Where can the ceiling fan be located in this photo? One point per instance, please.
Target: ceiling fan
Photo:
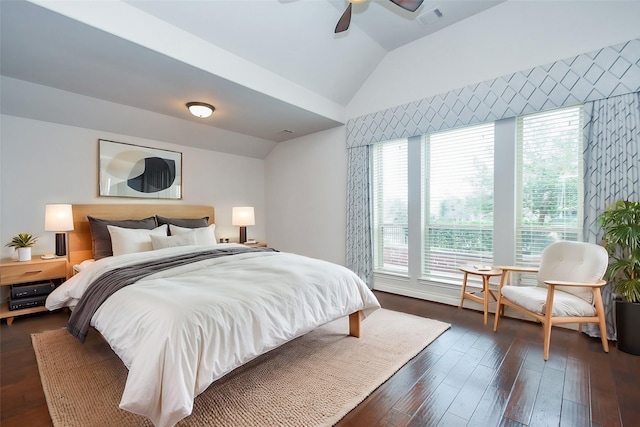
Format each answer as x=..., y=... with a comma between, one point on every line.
x=345, y=19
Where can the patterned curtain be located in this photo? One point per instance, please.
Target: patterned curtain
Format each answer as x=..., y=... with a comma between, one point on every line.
x=359, y=248
x=612, y=171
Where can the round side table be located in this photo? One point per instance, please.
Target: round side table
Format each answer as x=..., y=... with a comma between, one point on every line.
x=486, y=274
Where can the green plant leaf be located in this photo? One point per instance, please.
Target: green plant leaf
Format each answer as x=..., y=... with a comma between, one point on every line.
x=621, y=225
x=22, y=240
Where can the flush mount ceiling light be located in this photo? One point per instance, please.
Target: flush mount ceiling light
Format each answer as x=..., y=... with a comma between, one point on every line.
x=200, y=109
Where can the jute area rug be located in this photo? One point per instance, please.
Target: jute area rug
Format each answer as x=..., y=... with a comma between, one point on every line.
x=314, y=380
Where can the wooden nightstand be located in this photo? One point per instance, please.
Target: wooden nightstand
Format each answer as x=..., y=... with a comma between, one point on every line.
x=16, y=272
x=256, y=245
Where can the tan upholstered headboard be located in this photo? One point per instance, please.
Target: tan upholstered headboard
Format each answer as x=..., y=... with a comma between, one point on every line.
x=80, y=237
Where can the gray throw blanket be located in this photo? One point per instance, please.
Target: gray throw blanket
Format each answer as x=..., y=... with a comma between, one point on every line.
x=111, y=281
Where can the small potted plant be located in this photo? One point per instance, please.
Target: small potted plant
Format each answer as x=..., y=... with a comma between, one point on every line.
x=621, y=225
x=23, y=242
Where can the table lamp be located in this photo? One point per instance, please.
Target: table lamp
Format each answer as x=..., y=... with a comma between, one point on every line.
x=242, y=217
x=59, y=218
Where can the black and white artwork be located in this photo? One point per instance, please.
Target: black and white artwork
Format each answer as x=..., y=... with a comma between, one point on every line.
x=128, y=170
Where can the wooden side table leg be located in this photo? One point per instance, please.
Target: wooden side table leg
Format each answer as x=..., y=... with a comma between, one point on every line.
x=9, y=320
x=485, y=291
x=464, y=289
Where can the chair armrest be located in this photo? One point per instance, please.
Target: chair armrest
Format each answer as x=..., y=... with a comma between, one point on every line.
x=508, y=269
x=597, y=284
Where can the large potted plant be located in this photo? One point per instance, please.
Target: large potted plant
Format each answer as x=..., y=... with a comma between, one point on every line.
x=621, y=225
x=23, y=242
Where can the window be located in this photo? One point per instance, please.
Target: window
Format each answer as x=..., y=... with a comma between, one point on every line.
x=434, y=205
x=549, y=173
x=457, y=194
x=390, y=206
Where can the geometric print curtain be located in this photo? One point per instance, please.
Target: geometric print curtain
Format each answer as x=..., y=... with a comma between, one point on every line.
x=612, y=171
x=359, y=248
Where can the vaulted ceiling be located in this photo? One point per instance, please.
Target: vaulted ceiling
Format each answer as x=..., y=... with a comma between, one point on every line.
x=274, y=69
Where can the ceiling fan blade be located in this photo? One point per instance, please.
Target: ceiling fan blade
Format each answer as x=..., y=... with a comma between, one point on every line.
x=410, y=5
x=345, y=20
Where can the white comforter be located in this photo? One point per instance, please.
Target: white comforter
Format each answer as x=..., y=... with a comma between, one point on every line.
x=179, y=330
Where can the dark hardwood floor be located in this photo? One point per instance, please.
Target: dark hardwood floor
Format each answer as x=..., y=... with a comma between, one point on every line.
x=469, y=376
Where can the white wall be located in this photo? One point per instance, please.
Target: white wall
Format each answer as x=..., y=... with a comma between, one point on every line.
x=306, y=195
x=42, y=162
x=510, y=37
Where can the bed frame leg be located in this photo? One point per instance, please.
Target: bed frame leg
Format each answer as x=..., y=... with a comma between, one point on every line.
x=354, y=324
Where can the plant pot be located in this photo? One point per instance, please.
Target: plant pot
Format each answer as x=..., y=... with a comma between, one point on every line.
x=24, y=254
x=628, y=326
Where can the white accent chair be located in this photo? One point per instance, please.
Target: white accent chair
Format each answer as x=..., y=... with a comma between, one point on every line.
x=567, y=291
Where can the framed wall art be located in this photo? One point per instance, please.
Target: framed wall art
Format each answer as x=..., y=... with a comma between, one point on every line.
x=128, y=170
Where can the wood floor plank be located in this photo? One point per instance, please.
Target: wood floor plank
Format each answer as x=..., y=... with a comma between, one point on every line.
x=394, y=418
x=523, y=396
x=574, y=414
x=507, y=422
x=448, y=361
x=434, y=407
x=627, y=385
x=604, y=399
x=450, y=420
x=495, y=354
x=510, y=366
x=466, y=402
x=421, y=391
x=547, y=407
x=446, y=341
x=534, y=359
x=463, y=369
x=490, y=408
x=576, y=381
x=466, y=341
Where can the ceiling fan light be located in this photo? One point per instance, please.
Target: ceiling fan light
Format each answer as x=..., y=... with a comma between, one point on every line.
x=356, y=1
x=200, y=109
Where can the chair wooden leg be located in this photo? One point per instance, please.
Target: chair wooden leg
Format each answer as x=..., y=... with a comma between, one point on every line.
x=547, y=321
x=497, y=316
x=601, y=321
x=547, y=340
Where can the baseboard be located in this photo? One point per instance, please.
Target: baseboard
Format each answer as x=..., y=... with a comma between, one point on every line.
x=455, y=301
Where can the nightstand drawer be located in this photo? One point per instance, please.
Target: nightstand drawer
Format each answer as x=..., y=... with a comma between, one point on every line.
x=31, y=272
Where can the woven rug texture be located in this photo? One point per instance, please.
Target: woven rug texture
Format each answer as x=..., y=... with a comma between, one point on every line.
x=314, y=380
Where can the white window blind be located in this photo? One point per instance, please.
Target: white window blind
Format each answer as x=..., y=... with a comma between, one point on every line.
x=390, y=206
x=457, y=199
x=550, y=189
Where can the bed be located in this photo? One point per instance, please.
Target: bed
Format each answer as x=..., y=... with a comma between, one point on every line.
x=179, y=329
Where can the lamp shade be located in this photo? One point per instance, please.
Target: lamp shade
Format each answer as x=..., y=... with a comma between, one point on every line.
x=243, y=216
x=58, y=218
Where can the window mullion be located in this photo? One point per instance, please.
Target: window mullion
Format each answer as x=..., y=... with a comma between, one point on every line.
x=414, y=205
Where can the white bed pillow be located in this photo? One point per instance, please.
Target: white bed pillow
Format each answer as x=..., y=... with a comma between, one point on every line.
x=162, y=242
x=205, y=236
x=83, y=265
x=131, y=240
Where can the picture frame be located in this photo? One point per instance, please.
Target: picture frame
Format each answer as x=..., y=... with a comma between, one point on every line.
x=128, y=170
